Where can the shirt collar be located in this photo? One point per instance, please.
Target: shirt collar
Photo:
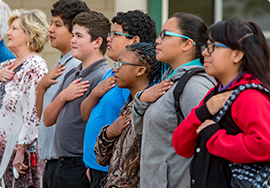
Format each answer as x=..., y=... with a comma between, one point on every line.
x=191, y=63
x=62, y=60
x=90, y=68
x=221, y=88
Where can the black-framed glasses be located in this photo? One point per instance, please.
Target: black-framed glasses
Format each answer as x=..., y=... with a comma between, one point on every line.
x=112, y=34
x=118, y=64
x=163, y=34
x=211, y=47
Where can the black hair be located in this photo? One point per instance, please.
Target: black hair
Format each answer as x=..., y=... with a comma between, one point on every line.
x=97, y=25
x=68, y=9
x=146, y=53
x=248, y=38
x=193, y=27
x=136, y=22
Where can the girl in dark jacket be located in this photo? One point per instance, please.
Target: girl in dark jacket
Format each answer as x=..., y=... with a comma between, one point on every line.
x=236, y=54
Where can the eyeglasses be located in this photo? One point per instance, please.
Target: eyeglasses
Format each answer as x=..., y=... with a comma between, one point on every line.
x=112, y=34
x=163, y=34
x=118, y=64
x=211, y=47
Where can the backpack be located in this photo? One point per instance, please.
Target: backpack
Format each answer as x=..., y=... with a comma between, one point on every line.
x=250, y=175
x=178, y=90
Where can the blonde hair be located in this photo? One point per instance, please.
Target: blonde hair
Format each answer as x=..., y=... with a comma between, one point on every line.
x=35, y=26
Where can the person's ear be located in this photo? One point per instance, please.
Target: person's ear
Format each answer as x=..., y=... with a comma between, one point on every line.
x=238, y=56
x=136, y=39
x=98, y=42
x=141, y=71
x=188, y=44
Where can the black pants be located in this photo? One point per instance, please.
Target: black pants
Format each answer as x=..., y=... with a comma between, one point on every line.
x=50, y=180
x=96, y=176
x=71, y=171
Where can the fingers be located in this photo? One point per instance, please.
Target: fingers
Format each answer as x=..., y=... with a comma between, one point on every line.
x=104, y=86
x=167, y=82
x=57, y=74
x=6, y=74
x=76, y=81
x=126, y=124
x=215, y=103
x=57, y=71
x=81, y=89
x=21, y=168
x=126, y=120
x=53, y=82
x=88, y=174
x=81, y=86
x=108, y=82
x=5, y=78
x=126, y=117
x=205, y=124
x=199, y=129
x=165, y=86
x=76, y=89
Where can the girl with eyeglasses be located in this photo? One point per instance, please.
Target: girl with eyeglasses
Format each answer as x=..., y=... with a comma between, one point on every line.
x=225, y=152
x=118, y=145
x=179, y=44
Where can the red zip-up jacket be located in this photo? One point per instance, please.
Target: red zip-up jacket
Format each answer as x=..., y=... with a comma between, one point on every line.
x=250, y=112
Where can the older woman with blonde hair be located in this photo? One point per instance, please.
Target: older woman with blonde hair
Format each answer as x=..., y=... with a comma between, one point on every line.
x=19, y=162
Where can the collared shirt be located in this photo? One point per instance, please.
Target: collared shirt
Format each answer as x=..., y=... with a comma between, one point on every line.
x=104, y=113
x=6, y=54
x=70, y=127
x=46, y=134
x=221, y=88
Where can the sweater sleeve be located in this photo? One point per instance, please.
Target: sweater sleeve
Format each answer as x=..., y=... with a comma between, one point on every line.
x=137, y=114
x=103, y=148
x=250, y=112
x=184, y=138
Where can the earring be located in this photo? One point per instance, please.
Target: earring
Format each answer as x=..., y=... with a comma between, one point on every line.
x=28, y=44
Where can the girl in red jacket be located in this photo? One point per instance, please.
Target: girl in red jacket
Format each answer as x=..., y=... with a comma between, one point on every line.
x=236, y=54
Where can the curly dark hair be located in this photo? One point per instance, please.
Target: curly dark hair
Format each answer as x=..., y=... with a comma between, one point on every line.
x=146, y=54
x=136, y=22
x=68, y=9
x=97, y=25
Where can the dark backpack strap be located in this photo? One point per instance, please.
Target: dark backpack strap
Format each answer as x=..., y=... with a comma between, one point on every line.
x=235, y=94
x=224, y=110
x=178, y=90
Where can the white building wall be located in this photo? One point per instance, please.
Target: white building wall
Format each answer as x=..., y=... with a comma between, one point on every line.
x=125, y=5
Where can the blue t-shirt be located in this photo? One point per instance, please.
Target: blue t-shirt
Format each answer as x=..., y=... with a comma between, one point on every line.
x=6, y=54
x=104, y=113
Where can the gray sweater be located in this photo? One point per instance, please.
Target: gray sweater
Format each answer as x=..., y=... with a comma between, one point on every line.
x=160, y=165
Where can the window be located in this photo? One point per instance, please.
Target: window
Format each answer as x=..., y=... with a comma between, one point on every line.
x=202, y=8
x=257, y=11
